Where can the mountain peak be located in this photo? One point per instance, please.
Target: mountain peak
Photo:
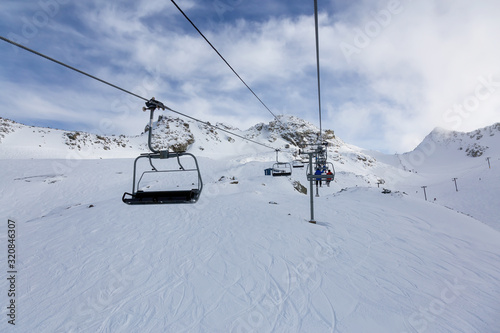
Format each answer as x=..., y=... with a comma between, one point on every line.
x=476, y=143
x=294, y=130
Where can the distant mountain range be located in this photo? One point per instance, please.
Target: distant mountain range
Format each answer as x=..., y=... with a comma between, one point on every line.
x=22, y=141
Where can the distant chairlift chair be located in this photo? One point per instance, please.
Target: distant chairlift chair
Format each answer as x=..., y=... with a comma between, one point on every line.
x=281, y=168
x=174, y=194
x=319, y=160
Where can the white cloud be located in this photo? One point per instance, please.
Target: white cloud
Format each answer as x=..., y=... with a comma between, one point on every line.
x=426, y=59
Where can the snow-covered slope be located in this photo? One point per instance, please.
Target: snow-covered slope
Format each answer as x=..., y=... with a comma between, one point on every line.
x=27, y=142
x=445, y=148
x=472, y=159
x=244, y=258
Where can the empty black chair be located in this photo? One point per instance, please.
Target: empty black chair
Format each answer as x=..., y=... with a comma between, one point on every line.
x=183, y=185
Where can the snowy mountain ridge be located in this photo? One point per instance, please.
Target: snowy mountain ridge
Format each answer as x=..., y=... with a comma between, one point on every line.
x=474, y=144
x=293, y=130
x=173, y=132
x=182, y=135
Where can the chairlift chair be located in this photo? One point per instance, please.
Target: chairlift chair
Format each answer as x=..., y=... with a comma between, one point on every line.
x=329, y=166
x=324, y=167
x=297, y=164
x=182, y=181
x=282, y=169
x=319, y=159
x=183, y=185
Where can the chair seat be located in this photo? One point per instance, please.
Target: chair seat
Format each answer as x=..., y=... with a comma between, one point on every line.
x=281, y=173
x=161, y=197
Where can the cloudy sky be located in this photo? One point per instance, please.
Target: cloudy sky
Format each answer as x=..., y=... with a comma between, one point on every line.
x=391, y=71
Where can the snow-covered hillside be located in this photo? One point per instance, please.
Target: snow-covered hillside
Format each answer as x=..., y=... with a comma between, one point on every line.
x=27, y=142
x=472, y=159
x=21, y=141
x=244, y=258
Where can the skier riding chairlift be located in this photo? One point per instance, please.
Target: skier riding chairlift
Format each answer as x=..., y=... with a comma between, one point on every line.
x=318, y=173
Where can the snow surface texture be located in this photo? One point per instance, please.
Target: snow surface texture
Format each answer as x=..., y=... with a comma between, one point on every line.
x=244, y=258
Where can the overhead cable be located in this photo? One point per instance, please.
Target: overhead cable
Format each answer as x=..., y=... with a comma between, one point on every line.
x=127, y=91
x=72, y=68
x=317, y=63
x=227, y=63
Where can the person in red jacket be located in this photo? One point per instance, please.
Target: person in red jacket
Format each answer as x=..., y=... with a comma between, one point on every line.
x=328, y=180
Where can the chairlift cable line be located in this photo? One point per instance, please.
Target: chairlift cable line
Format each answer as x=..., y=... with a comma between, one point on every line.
x=227, y=63
x=219, y=128
x=317, y=64
x=127, y=91
x=70, y=67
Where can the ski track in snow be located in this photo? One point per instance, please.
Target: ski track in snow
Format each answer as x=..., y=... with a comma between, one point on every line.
x=234, y=262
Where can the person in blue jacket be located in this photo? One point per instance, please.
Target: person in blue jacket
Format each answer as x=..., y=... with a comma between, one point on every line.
x=318, y=180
